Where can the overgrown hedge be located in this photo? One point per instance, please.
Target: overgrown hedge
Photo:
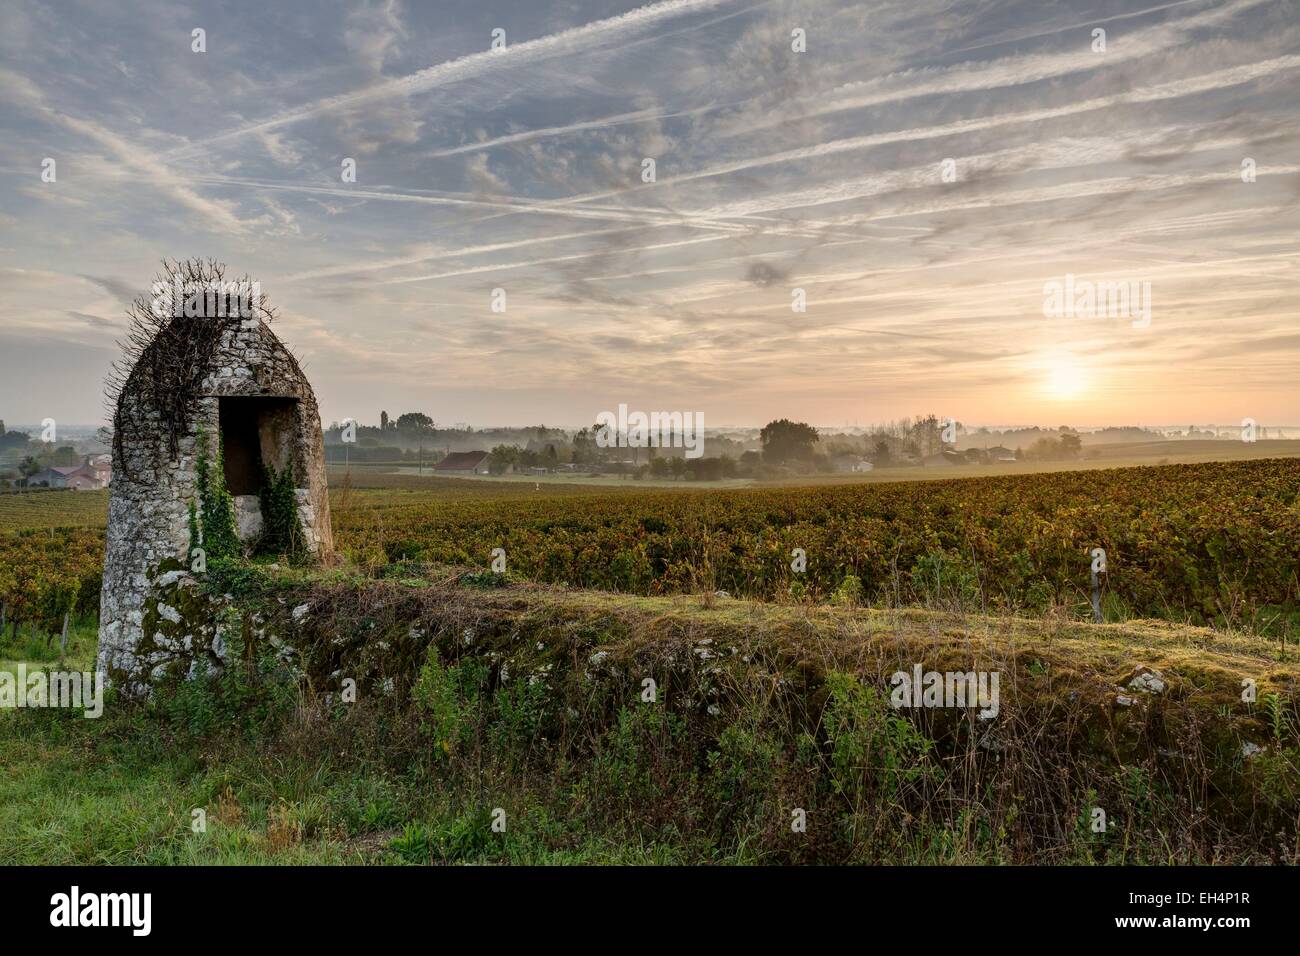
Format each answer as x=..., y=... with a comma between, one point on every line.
x=535, y=703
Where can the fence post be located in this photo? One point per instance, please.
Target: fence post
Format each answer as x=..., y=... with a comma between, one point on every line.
x=1098, y=571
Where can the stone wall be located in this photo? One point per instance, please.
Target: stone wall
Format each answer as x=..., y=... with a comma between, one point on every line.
x=148, y=517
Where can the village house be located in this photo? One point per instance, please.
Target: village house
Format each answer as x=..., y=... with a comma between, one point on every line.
x=91, y=475
x=50, y=477
x=463, y=463
x=852, y=464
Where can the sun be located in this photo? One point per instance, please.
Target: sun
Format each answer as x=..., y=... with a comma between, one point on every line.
x=1066, y=378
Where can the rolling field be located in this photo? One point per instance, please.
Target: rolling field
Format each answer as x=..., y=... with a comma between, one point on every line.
x=1202, y=543
x=89, y=509
x=43, y=510
x=520, y=690
x=1192, y=542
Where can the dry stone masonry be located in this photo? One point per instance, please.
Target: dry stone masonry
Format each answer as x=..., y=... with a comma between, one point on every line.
x=153, y=621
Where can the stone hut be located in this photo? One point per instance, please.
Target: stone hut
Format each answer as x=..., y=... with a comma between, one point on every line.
x=232, y=378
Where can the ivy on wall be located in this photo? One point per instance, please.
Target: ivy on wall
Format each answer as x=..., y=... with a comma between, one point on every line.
x=281, y=531
x=214, y=522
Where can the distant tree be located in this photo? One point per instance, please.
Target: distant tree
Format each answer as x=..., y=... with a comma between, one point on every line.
x=1054, y=448
x=927, y=433
x=585, y=448
x=784, y=440
x=704, y=469
x=414, y=422
x=502, y=458
x=383, y=421
x=14, y=439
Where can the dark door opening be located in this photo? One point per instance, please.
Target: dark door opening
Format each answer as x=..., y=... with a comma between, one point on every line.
x=254, y=432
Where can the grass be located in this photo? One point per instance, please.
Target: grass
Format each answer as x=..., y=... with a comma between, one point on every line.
x=122, y=790
x=79, y=795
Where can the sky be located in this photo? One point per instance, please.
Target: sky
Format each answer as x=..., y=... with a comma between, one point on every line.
x=856, y=212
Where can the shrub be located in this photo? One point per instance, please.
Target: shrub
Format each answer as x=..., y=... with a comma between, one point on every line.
x=281, y=530
x=216, y=512
x=873, y=750
x=944, y=578
x=849, y=592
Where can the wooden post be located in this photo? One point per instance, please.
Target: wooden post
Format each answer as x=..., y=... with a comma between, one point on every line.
x=1099, y=569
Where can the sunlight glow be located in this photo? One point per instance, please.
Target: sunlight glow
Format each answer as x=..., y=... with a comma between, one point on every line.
x=1066, y=378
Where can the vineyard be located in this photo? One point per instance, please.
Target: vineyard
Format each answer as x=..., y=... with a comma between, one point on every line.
x=46, y=576
x=1199, y=542
x=1206, y=543
x=29, y=511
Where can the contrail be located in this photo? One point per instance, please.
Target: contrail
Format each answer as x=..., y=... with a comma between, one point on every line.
x=639, y=116
x=1114, y=185
x=620, y=119
x=1092, y=23
x=575, y=257
x=477, y=64
x=1175, y=89
x=1009, y=71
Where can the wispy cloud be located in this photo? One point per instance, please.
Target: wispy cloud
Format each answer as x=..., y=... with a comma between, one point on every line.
x=514, y=56
x=653, y=184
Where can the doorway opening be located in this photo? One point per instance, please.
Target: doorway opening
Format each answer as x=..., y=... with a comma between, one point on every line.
x=256, y=432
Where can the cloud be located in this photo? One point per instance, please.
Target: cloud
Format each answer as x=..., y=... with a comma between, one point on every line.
x=94, y=321
x=522, y=169
x=373, y=33
x=140, y=159
x=124, y=292
x=764, y=274
x=514, y=56
x=481, y=178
